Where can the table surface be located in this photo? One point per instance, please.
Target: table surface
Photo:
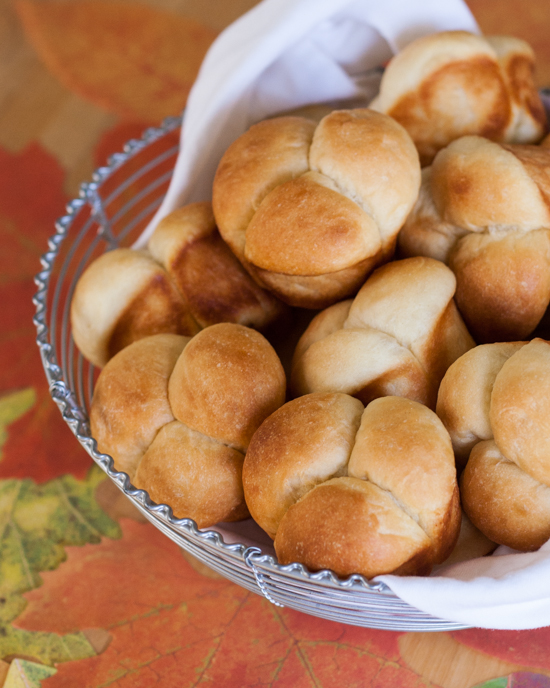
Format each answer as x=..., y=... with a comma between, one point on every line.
x=90, y=594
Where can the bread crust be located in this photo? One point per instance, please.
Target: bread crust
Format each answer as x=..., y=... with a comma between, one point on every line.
x=203, y=478
x=352, y=526
x=355, y=490
x=188, y=458
x=504, y=502
x=216, y=286
x=186, y=280
x=484, y=209
x=464, y=397
x=130, y=402
x=453, y=83
x=228, y=381
x=311, y=209
x=397, y=337
x=494, y=402
x=123, y=296
x=276, y=477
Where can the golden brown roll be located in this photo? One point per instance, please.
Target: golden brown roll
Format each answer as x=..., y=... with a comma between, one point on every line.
x=495, y=403
x=483, y=209
x=451, y=84
x=396, y=338
x=176, y=414
x=186, y=280
x=355, y=490
x=217, y=288
x=122, y=296
x=311, y=209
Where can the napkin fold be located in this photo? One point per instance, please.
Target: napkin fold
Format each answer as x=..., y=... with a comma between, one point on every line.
x=508, y=590
x=285, y=54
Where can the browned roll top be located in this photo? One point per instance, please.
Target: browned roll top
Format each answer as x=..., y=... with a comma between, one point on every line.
x=311, y=209
x=452, y=84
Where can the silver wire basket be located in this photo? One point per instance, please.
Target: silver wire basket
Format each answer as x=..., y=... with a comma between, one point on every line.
x=112, y=211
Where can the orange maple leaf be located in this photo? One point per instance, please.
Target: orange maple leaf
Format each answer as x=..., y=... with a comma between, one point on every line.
x=129, y=59
x=171, y=626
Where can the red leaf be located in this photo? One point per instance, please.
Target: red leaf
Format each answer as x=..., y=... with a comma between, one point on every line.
x=173, y=627
x=39, y=445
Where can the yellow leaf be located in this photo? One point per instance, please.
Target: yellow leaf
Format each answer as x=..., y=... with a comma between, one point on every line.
x=25, y=674
x=12, y=407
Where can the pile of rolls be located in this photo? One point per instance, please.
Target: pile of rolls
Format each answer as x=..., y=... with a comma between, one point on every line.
x=416, y=233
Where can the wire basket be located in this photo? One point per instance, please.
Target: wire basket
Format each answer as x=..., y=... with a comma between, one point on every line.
x=112, y=211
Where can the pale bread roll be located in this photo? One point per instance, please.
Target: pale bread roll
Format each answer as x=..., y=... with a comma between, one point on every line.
x=190, y=459
x=130, y=403
x=494, y=402
x=520, y=409
x=405, y=450
x=217, y=288
x=464, y=397
x=122, y=296
x=195, y=474
x=352, y=526
x=186, y=280
x=396, y=338
x=506, y=503
x=319, y=432
x=451, y=84
x=354, y=490
x=311, y=209
x=484, y=209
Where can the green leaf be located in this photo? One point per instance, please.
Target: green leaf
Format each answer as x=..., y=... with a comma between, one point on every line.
x=501, y=682
x=48, y=648
x=36, y=523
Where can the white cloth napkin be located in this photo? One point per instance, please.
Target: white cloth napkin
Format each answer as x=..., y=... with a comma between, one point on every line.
x=507, y=590
x=284, y=54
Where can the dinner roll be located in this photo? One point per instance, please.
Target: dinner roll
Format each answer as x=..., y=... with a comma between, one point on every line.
x=396, y=338
x=311, y=209
x=217, y=288
x=355, y=490
x=483, y=209
x=176, y=414
x=494, y=402
x=186, y=280
x=122, y=296
x=451, y=84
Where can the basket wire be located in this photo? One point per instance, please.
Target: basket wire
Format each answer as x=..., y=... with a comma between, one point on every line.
x=111, y=211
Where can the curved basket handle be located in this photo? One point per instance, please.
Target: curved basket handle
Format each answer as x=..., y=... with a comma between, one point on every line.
x=248, y=555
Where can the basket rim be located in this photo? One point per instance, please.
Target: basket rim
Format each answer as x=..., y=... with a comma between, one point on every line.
x=75, y=417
